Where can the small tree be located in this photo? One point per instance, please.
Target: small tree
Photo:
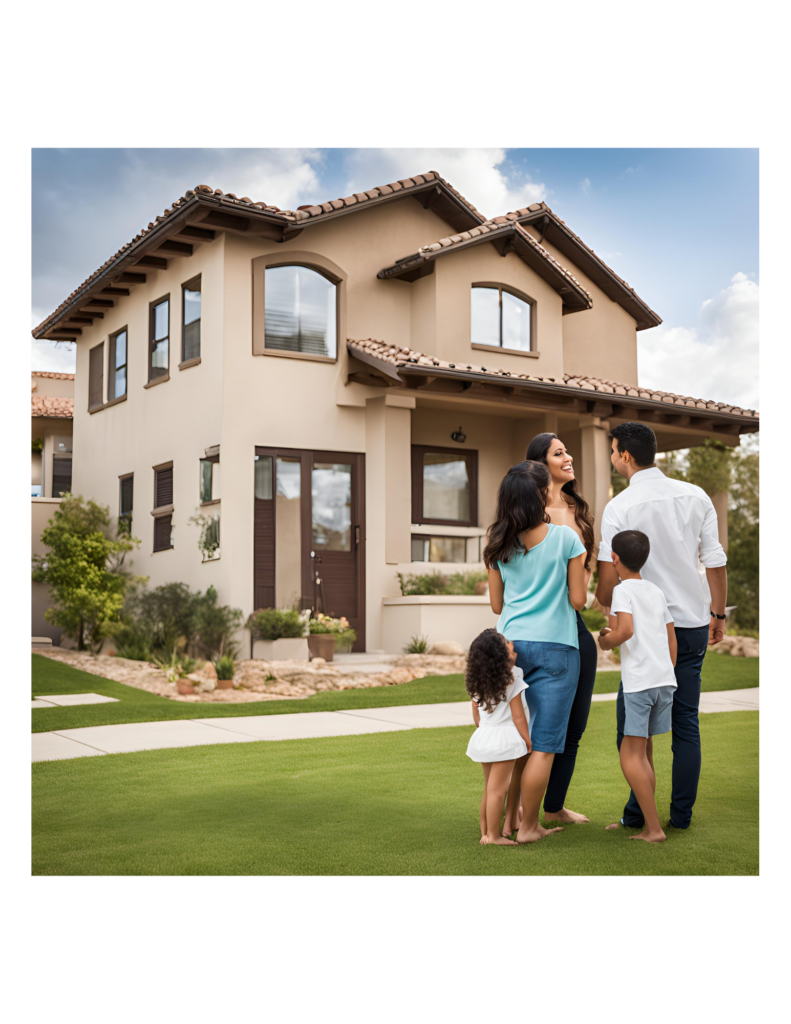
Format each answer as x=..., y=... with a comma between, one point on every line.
x=710, y=467
x=84, y=570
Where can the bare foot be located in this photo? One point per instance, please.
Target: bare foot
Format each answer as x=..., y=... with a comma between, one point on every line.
x=615, y=824
x=566, y=816
x=519, y=816
x=508, y=829
x=534, y=834
x=501, y=841
x=484, y=840
x=651, y=837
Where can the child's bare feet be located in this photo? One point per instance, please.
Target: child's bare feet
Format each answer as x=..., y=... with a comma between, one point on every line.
x=566, y=816
x=533, y=835
x=508, y=828
x=484, y=840
x=500, y=841
x=651, y=837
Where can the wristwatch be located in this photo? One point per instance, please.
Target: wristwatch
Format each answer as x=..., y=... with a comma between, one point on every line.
x=717, y=616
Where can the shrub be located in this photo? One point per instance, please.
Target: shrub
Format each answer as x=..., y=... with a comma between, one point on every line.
x=417, y=645
x=437, y=583
x=594, y=619
x=224, y=666
x=132, y=642
x=215, y=625
x=84, y=571
x=275, y=623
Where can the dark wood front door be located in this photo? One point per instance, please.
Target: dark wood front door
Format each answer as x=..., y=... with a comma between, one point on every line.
x=309, y=534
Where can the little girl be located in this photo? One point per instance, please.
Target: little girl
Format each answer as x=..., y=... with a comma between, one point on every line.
x=501, y=741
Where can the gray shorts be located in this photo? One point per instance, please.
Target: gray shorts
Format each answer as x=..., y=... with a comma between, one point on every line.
x=648, y=712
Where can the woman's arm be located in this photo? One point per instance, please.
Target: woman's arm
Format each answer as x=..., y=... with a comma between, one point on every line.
x=496, y=589
x=520, y=721
x=578, y=592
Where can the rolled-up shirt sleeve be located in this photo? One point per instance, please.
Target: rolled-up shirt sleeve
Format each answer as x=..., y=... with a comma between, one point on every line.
x=609, y=528
x=712, y=553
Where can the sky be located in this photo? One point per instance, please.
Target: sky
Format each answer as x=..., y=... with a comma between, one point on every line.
x=680, y=225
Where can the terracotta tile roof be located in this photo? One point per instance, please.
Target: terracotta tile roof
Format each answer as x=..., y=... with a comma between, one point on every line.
x=497, y=227
x=293, y=218
x=404, y=357
x=52, y=376
x=52, y=408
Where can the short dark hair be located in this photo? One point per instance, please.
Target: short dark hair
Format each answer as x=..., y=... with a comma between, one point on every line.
x=638, y=439
x=632, y=547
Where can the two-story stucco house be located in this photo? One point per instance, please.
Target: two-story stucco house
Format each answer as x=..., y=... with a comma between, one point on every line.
x=362, y=373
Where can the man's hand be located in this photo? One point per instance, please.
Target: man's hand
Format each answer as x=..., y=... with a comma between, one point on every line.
x=602, y=633
x=716, y=632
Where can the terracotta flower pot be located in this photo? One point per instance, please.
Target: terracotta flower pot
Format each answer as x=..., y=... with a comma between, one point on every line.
x=322, y=645
x=184, y=687
x=225, y=684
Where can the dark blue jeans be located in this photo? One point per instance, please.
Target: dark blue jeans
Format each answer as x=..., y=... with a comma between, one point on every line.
x=563, y=765
x=692, y=645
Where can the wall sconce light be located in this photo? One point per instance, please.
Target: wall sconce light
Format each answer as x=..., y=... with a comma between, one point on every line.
x=458, y=435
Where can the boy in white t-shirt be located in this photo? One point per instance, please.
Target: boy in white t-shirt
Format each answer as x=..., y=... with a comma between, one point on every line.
x=642, y=626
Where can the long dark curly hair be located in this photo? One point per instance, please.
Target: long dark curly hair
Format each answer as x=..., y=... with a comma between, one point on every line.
x=521, y=505
x=537, y=451
x=488, y=672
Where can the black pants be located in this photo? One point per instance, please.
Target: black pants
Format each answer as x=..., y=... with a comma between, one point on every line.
x=692, y=644
x=563, y=765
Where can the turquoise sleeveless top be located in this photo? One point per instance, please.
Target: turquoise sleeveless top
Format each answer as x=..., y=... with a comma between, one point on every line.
x=536, y=603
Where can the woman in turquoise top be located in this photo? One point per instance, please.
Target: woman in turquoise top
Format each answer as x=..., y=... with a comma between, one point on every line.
x=536, y=580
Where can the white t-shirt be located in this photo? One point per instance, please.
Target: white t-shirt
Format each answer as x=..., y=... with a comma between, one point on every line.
x=681, y=524
x=645, y=658
x=502, y=713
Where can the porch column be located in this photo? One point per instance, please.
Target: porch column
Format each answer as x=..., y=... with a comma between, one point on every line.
x=596, y=467
x=720, y=503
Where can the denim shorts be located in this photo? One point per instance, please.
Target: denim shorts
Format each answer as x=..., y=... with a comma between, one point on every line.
x=551, y=673
x=648, y=712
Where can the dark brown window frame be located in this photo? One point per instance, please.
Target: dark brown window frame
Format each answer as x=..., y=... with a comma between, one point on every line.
x=126, y=516
x=212, y=459
x=193, y=360
x=151, y=343
x=111, y=367
x=471, y=455
x=157, y=521
x=93, y=406
x=162, y=468
x=523, y=297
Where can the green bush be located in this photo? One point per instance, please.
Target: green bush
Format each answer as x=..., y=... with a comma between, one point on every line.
x=417, y=645
x=275, y=623
x=224, y=666
x=593, y=619
x=345, y=640
x=436, y=583
x=171, y=616
x=132, y=642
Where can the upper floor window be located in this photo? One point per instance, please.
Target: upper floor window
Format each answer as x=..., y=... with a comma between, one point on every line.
x=190, y=329
x=210, y=479
x=444, y=486
x=116, y=386
x=500, y=318
x=163, y=507
x=159, y=338
x=125, y=501
x=300, y=307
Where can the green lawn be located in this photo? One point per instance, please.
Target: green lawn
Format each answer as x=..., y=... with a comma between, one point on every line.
x=719, y=673
x=387, y=804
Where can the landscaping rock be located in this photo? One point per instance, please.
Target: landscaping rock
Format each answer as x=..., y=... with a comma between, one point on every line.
x=737, y=647
x=448, y=648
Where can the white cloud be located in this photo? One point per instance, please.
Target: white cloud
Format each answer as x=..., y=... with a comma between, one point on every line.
x=585, y=185
x=717, y=359
x=53, y=356
x=482, y=176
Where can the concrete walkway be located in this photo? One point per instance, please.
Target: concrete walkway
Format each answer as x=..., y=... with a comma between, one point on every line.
x=123, y=739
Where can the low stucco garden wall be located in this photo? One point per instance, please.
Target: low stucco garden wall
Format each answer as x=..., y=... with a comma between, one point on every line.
x=437, y=617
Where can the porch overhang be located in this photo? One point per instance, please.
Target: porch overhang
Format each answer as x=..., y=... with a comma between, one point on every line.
x=415, y=373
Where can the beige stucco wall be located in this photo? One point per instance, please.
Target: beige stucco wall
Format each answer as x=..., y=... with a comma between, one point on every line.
x=601, y=341
x=52, y=387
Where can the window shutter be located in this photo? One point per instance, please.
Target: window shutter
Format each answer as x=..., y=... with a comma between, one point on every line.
x=164, y=487
x=96, y=376
x=127, y=485
x=162, y=533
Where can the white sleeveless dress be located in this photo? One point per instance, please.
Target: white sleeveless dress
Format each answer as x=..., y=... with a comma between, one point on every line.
x=497, y=738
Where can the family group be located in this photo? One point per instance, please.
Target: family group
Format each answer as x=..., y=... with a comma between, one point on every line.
x=663, y=582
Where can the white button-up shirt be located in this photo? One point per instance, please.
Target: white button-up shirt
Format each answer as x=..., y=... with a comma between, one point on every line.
x=681, y=524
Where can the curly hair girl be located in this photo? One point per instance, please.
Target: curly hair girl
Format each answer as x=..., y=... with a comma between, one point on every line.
x=488, y=669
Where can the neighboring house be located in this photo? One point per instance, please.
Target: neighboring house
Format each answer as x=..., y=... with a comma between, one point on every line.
x=364, y=371
x=52, y=410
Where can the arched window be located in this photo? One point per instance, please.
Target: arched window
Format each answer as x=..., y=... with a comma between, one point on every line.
x=500, y=318
x=300, y=311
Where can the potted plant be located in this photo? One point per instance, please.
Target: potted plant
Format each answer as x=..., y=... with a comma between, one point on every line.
x=345, y=636
x=279, y=634
x=176, y=671
x=225, y=668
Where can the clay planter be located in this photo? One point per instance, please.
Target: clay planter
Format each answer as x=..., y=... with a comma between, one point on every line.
x=184, y=687
x=322, y=645
x=225, y=684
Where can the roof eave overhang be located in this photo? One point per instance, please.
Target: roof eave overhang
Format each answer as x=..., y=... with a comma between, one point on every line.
x=554, y=231
x=506, y=239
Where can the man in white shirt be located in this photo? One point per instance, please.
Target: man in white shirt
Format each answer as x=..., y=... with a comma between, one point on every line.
x=681, y=524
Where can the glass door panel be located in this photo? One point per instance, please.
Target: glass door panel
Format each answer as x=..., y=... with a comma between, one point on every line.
x=331, y=487
x=288, y=531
